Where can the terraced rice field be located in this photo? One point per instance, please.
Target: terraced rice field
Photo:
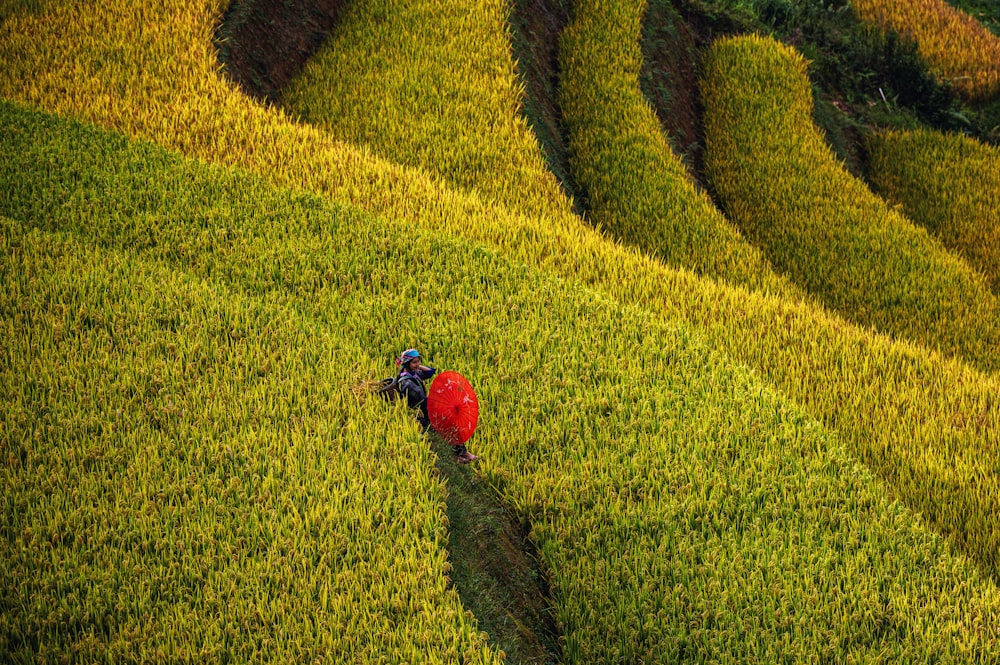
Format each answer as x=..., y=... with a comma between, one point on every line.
x=957, y=45
x=948, y=183
x=718, y=460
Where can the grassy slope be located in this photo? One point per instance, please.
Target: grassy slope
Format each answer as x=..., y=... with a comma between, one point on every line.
x=431, y=85
x=637, y=188
x=948, y=183
x=921, y=422
x=783, y=186
x=709, y=519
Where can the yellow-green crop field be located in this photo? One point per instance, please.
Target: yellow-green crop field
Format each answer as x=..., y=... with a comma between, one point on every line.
x=779, y=180
x=637, y=188
x=430, y=85
x=245, y=470
x=956, y=45
x=950, y=184
x=193, y=281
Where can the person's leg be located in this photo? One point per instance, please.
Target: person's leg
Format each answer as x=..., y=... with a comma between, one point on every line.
x=421, y=413
x=463, y=455
x=425, y=422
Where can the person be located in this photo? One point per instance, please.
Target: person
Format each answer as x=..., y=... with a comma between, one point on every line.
x=410, y=382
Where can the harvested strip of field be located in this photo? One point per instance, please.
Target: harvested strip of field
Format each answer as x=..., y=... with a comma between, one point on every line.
x=780, y=182
x=950, y=184
x=636, y=187
x=961, y=50
x=495, y=568
x=710, y=519
x=923, y=423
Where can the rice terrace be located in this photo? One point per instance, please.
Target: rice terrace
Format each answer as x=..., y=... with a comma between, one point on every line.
x=723, y=274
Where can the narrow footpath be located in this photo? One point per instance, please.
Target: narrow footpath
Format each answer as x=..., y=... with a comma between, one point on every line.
x=494, y=567
x=262, y=45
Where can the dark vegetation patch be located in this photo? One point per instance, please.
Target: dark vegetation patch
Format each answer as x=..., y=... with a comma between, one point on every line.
x=20, y=7
x=669, y=80
x=495, y=567
x=535, y=29
x=263, y=44
x=862, y=79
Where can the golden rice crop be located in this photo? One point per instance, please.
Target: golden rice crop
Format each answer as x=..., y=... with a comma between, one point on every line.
x=818, y=360
x=685, y=508
x=637, y=188
x=958, y=48
x=183, y=479
x=783, y=185
x=950, y=184
x=430, y=84
x=923, y=423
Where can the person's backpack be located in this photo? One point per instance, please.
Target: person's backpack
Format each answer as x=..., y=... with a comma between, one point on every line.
x=388, y=389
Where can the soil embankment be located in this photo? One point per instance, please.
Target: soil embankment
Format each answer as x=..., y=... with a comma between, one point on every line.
x=263, y=44
x=535, y=29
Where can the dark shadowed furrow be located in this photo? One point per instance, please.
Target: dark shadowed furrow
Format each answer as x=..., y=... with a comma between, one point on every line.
x=264, y=43
x=535, y=29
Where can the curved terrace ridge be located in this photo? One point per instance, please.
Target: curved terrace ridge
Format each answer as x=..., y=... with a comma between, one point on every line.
x=263, y=45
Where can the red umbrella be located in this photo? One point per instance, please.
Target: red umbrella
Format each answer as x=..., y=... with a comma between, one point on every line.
x=453, y=408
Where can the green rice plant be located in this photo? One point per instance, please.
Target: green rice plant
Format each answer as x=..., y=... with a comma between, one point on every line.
x=430, y=84
x=955, y=44
x=684, y=508
x=781, y=183
x=184, y=479
x=948, y=183
x=923, y=423
x=637, y=188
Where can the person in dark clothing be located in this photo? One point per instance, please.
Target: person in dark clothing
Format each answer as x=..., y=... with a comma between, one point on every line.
x=410, y=382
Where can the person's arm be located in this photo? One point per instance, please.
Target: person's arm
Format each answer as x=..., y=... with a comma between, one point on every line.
x=426, y=372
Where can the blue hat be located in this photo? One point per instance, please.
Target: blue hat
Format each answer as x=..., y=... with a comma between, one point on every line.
x=407, y=356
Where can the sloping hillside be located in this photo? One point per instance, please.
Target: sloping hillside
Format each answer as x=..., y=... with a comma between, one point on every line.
x=660, y=479
x=193, y=282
